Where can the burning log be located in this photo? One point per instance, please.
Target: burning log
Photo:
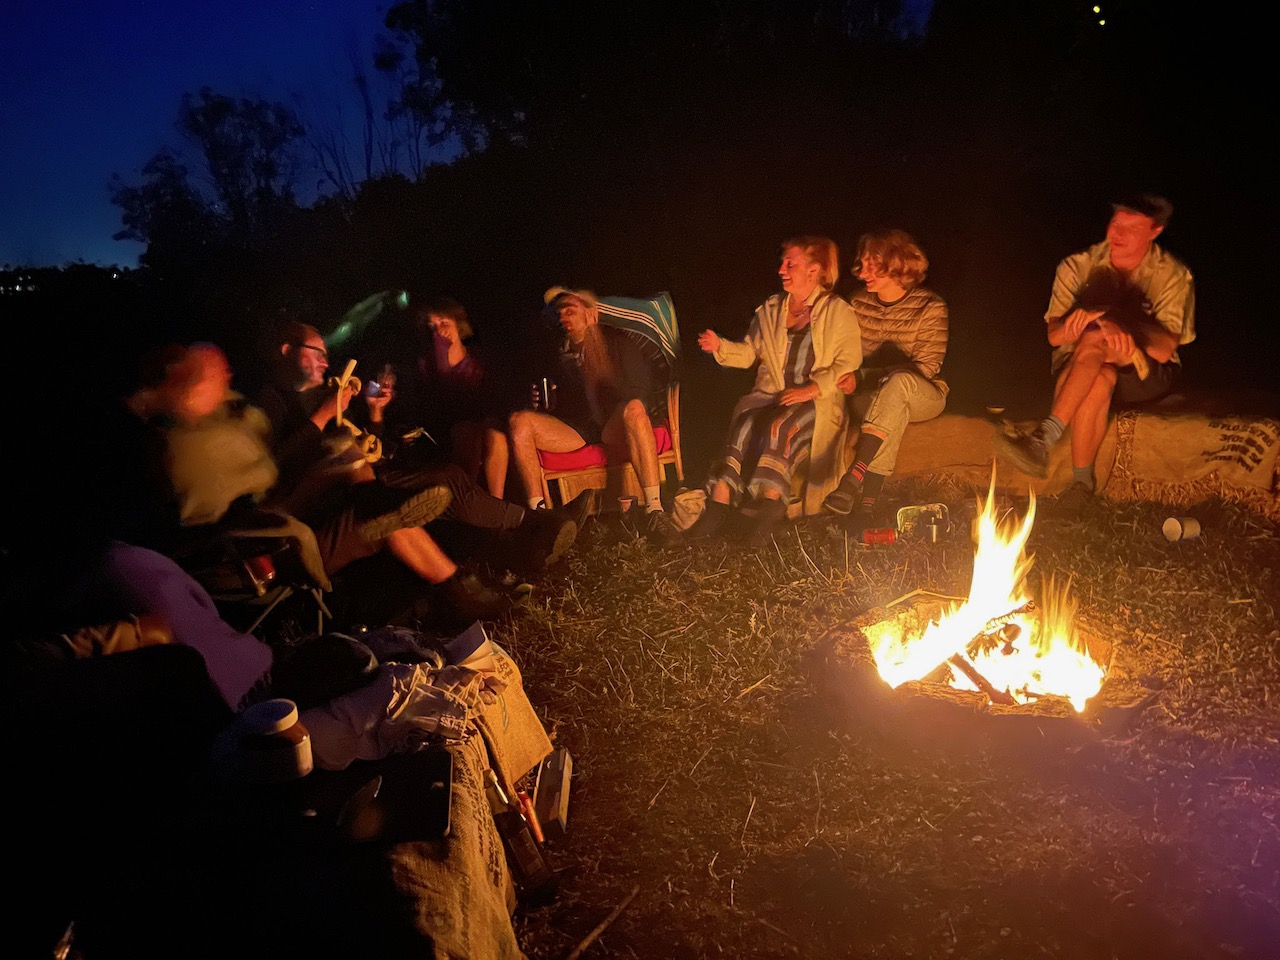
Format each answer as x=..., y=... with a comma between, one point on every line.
x=981, y=682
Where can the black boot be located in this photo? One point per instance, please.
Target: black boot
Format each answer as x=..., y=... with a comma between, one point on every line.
x=712, y=521
x=468, y=599
x=768, y=516
x=545, y=537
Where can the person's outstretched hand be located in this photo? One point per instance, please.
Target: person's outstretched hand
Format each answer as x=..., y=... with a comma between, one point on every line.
x=709, y=341
x=848, y=383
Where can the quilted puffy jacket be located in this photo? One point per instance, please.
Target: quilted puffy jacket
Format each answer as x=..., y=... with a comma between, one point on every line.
x=910, y=331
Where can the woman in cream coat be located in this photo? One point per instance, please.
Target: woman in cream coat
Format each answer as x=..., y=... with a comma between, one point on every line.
x=804, y=340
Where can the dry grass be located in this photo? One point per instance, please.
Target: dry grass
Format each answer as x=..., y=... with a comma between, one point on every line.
x=711, y=771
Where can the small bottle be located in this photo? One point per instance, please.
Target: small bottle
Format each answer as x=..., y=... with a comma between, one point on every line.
x=533, y=875
x=880, y=535
x=275, y=746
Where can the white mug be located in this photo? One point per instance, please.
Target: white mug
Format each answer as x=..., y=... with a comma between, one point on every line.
x=1181, y=528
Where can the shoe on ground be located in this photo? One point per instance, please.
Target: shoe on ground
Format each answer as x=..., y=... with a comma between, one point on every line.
x=659, y=527
x=766, y=517
x=468, y=599
x=864, y=517
x=1071, y=503
x=845, y=497
x=582, y=507
x=388, y=510
x=712, y=520
x=548, y=536
x=1030, y=453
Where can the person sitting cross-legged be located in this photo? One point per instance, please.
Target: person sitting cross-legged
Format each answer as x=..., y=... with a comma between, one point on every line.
x=904, y=339
x=1118, y=313
x=610, y=392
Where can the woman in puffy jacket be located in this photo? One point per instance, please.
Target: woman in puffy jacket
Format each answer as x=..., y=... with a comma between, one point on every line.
x=904, y=339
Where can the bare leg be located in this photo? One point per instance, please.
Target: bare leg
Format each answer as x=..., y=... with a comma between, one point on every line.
x=630, y=426
x=1081, y=373
x=720, y=492
x=530, y=432
x=1091, y=419
x=414, y=547
x=497, y=461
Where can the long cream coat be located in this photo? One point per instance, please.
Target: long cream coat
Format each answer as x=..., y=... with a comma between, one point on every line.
x=837, y=349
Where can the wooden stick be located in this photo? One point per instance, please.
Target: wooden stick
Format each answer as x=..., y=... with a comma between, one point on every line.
x=603, y=925
x=981, y=682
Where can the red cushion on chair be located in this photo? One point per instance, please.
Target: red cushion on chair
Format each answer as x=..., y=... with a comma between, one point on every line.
x=593, y=454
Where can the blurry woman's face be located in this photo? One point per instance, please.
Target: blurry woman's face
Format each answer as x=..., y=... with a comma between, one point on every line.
x=446, y=328
x=799, y=274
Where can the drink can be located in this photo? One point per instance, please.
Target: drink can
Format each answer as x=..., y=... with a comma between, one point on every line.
x=880, y=535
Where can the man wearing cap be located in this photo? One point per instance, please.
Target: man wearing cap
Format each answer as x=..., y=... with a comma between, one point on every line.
x=1117, y=315
x=611, y=391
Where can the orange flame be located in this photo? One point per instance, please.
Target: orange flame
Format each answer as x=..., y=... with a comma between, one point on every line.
x=1046, y=656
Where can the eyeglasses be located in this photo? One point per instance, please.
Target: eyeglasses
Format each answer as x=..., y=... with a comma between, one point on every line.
x=324, y=354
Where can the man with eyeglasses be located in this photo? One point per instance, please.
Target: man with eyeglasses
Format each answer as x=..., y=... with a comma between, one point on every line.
x=394, y=503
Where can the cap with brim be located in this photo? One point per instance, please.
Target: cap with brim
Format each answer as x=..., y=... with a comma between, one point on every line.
x=555, y=293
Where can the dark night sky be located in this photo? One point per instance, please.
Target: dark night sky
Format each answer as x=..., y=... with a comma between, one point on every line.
x=91, y=88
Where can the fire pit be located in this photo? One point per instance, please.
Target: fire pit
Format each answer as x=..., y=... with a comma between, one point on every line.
x=998, y=664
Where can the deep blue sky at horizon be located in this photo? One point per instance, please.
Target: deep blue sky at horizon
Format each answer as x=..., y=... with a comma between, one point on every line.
x=92, y=89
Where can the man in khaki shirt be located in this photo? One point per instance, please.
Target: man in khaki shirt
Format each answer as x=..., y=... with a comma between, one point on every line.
x=1117, y=315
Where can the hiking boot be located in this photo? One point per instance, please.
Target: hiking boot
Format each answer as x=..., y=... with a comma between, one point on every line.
x=713, y=519
x=766, y=517
x=1030, y=453
x=548, y=535
x=1071, y=503
x=468, y=599
x=844, y=497
x=582, y=507
x=659, y=528
x=386, y=510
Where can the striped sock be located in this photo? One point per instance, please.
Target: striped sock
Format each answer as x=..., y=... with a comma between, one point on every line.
x=863, y=454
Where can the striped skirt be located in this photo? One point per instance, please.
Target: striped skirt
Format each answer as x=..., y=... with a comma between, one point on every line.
x=767, y=444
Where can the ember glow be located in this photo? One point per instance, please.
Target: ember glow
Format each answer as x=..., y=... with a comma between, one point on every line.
x=1024, y=647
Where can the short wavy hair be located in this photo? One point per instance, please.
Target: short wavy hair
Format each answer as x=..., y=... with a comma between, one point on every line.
x=445, y=307
x=822, y=251
x=895, y=254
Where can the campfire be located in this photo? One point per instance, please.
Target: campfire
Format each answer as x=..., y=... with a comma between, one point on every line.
x=1000, y=640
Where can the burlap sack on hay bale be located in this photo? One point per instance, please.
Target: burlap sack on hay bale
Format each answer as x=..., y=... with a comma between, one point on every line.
x=458, y=892
x=1176, y=455
x=961, y=447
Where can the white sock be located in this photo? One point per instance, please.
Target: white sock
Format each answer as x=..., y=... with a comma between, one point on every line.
x=536, y=503
x=653, y=498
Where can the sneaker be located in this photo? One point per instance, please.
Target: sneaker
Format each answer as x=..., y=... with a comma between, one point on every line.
x=659, y=527
x=1030, y=454
x=392, y=510
x=844, y=497
x=712, y=521
x=468, y=599
x=1071, y=503
x=767, y=516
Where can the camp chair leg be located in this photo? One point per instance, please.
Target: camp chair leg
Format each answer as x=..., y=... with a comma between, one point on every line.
x=282, y=594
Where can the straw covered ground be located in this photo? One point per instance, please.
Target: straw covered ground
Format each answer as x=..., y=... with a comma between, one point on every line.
x=717, y=777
